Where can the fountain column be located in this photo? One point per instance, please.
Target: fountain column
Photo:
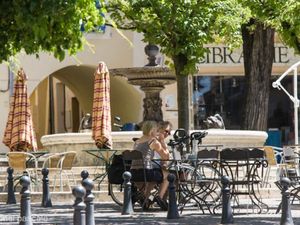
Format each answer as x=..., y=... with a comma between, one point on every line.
x=152, y=103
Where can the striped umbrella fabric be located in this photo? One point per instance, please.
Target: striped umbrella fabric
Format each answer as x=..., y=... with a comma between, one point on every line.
x=101, y=118
x=19, y=134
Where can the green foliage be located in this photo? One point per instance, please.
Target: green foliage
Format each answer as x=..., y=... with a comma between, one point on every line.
x=45, y=25
x=282, y=15
x=181, y=27
x=289, y=24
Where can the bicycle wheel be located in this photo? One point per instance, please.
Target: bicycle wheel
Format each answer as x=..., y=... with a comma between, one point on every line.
x=116, y=192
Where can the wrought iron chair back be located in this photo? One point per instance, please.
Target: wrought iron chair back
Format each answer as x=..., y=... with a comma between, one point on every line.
x=140, y=185
x=244, y=167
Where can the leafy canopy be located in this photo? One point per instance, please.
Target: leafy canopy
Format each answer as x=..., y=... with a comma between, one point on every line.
x=282, y=15
x=181, y=27
x=45, y=25
x=289, y=24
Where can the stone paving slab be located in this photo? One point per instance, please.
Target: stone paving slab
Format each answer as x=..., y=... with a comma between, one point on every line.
x=110, y=213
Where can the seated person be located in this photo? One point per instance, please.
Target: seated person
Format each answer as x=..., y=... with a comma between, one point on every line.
x=148, y=144
x=164, y=130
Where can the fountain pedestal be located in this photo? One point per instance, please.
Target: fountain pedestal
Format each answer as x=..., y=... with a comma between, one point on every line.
x=152, y=103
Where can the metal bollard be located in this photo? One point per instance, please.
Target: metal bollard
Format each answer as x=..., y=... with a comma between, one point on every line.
x=172, y=209
x=79, y=206
x=11, y=199
x=46, y=200
x=286, y=215
x=127, y=208
x=25, y=217
x=84, y=174
x=88, y=200
x=227, y=216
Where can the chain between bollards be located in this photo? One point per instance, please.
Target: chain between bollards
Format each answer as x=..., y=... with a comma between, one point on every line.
x=88, y=199
x=227, y=216
x=79, y=206
x=46, y=199
x=286, y=215
x=25, y=214
x=127, y=208
x=11, y=198
x=172, y=208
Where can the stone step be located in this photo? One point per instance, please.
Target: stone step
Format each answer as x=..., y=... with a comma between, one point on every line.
x=101, y=194
x=58, y=197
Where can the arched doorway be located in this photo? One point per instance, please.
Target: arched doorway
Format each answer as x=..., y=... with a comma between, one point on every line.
x=65, y=96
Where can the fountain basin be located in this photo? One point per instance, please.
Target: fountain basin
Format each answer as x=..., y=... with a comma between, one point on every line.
x=122, y=140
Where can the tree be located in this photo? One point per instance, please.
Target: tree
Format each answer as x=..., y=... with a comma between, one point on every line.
x=46, y=25
x=258, y=33
x=181, y=28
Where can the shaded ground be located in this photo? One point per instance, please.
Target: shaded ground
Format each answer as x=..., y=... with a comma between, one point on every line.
x=110, y=213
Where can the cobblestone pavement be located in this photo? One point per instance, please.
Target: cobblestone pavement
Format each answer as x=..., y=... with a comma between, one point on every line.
x=110, y=213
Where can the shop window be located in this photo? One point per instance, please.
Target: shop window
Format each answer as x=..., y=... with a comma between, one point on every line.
x=224, y=95
x=218, y=95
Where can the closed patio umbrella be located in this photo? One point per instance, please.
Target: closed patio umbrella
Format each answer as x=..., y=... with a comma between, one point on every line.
x=19, y=134
x=101, y=118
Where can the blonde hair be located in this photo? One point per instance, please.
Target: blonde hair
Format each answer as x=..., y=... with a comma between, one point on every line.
x=148, y=126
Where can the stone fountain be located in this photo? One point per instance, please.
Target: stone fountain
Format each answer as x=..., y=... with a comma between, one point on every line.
x=152, y=79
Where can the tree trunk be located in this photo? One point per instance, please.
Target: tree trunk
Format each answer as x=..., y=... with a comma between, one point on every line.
x=258, y=49
x=182, y=92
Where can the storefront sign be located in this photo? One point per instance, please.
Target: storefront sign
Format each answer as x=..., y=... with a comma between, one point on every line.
x=224, y=55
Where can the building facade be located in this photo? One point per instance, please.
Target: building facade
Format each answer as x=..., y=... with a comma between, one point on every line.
x=61, y=93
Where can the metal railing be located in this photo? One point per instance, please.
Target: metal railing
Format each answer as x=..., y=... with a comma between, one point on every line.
x=294, y=98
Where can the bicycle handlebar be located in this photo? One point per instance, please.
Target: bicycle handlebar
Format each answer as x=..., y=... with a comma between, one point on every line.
x=174, y=143
x=198, y=135
x=180, y=136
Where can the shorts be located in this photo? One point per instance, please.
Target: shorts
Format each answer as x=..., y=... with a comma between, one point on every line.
x=152, y=175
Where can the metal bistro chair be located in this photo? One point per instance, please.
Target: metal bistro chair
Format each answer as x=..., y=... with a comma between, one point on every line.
x=66, y=165
x=139, y=181
x=245, y=170
x=272, y=163
x=60, y=164
x=52, y=163
x=290, y=165
x=208, y=167
x=200, y=185
x=23, y=163
x=191, y=185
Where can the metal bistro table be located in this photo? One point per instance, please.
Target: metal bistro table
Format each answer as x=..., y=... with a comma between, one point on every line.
x=103, y=156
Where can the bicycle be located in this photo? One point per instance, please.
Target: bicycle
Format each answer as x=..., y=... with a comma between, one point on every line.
x=197, y=179
x=116, y=192
x=192, y=179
